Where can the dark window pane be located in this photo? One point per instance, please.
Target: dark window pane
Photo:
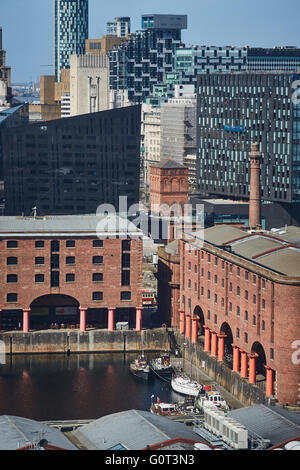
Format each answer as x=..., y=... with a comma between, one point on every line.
x=12, y=278
x=12, y=297
x=12, y=244
x=54, y=245
x=97, y=277
x=12, y=260
x=70, y=243
x=39, y=244
x=70, y=259
x=126, y=245
x=55, y=261
x=125, y=260
x=125, y=295
x=97, y=243
x=70, y=277
x=39, y=278
x=97, y=295
x=97, y=259
x=126, y=278
x=55, y=279
x=39, y=260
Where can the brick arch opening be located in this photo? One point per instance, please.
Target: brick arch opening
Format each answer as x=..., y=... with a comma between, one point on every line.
x=201, y=322
x=226, y=330
x=261, y=359
x=54, y=309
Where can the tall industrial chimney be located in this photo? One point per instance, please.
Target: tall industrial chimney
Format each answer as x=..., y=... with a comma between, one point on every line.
x=255, y=199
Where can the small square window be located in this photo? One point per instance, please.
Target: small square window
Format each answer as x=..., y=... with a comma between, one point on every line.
x=11, y=260
x=10, y=278
x=97, y=277
x=97, y=243
x=97, y=295
x=11, y=244
x=70, y=259
x=39, y=260
x=39, y=243
x=12, y=298
x=39, y=278
x=70, y=244
x=125, y=295
x=97, y=259
x=70, y=277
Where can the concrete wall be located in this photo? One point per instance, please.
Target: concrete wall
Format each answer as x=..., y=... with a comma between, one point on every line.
x=219, y=372
x=82, y=342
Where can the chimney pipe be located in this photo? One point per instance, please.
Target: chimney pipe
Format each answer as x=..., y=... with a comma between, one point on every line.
x=255, y=199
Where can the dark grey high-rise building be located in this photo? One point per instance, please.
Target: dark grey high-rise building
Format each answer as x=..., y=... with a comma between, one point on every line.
x=70, y=31
x=72, y=165
x=237, y=109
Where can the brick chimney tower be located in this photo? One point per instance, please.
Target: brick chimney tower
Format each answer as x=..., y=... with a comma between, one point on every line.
x=255, y=200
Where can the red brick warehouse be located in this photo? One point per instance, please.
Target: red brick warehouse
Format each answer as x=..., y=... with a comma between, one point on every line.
x=61, y=269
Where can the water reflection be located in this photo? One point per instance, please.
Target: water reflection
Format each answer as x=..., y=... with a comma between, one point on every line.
x=53, y=387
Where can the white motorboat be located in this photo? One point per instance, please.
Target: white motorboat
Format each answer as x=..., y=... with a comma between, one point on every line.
x=211, y=399
x=186, y=386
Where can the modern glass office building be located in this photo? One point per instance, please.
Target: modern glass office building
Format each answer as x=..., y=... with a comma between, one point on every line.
x=237, y=109
x=147, y=56
x=70, y=31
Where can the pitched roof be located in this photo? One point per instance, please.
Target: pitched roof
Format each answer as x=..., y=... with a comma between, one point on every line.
x=170, y=163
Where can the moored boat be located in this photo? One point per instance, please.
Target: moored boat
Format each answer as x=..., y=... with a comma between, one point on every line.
x=162, y=365
x=211, y=399
x=140, y=368
x=186, y=386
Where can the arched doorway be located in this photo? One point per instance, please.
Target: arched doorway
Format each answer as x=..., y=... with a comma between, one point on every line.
x=54, y=310
x=201, y=322
x=260, y=361
x=228, y=341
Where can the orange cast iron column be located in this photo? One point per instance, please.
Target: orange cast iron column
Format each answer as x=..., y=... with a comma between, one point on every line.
x=194, y=330
x=214, y=344
x=111, y=319
x=269, y=382
x=188, y=326
x=181, y=322
x=206, y=339
x=252, y=368
x=82, y=319
x=138, y=320
x=26, y=320
x=221, y=347
x=236, y=358
x=244, y=365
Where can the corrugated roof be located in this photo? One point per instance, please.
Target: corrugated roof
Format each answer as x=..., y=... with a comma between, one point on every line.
x=134, y=429
x=16, y=432
x=266, y=249
x=268, y=422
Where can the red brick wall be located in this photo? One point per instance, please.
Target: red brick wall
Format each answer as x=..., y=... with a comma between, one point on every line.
x=168, y=186
x=83, y=287
x=280, y=311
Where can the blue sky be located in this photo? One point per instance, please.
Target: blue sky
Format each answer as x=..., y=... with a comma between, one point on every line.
x=28, y=25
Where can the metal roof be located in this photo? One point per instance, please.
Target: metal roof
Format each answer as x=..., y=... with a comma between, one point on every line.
x=269, y=249
x=133, y=429
x=16, y=432
x=66, y=224
x=269, y=422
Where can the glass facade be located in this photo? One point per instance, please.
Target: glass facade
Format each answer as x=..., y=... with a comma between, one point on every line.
x=70, y=31
x=235, y=110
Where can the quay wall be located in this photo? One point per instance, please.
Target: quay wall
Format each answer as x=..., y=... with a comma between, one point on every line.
x=75, y=341
x=196, y=359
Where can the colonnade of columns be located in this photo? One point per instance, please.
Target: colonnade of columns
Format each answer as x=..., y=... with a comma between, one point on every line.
x=214, y=343
x=111, y=319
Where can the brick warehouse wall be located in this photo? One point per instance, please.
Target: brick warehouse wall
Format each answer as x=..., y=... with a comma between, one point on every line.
x=83, y=287
x=261, y=309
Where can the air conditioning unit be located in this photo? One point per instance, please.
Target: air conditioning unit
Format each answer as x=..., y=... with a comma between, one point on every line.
x=213, y=421
x=235, y=435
